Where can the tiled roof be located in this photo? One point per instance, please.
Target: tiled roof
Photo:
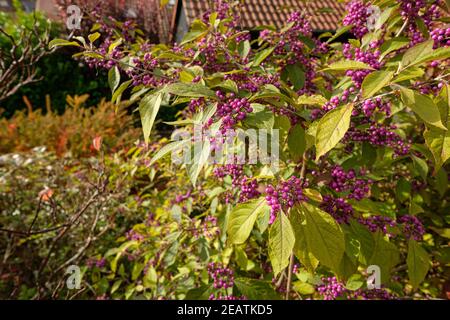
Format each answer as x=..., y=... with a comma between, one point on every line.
x=324, y=14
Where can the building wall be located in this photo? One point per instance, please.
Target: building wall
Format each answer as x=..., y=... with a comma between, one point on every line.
x=47, y=6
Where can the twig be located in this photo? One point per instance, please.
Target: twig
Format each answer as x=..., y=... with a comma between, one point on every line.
x=291, y=260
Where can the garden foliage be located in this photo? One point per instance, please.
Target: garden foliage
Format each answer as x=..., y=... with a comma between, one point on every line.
x=363, y=180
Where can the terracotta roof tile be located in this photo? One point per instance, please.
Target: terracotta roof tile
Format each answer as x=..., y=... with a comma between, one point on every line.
x=324, y=14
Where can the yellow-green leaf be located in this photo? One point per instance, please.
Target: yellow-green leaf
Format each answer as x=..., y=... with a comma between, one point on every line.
x=242, y=220
x=418, y=263
x=332, y=128
x=323, y=235
x=437, y=140
x=374, y=82
x=423, y=106
x=347, y=65
x=148, y=109
x=281, y=243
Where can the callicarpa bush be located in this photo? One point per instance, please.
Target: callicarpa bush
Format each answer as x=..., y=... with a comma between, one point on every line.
x=362, y=176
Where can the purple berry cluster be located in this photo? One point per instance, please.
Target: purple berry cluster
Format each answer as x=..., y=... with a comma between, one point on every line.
x=249, y=189
x=441, y=37
x=379, y=135
x=195, y=105
x=133, y=235
x=232, y=110
x=369, y=106
x=369, y=57
x=332, y=289
x=222, y=276
x=373, y=294
x=412, y=227
x=357, y=17
x=253, y=83
x=99, y=263
x=338, y=208
x=342, y=181
x=224, y=10
x=142, y=72
x=413, y=10
x=289, y=44
x=285, y=195
x=378, y=223
x=235, y=171
x=219, y=296
x=409, y=9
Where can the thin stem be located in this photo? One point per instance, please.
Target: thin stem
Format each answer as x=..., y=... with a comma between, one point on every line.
x=289, y=278
x=291, y=260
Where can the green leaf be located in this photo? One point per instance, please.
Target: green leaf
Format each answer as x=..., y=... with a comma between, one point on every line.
x=437, y=140
x=242, y=219
x=61, y=42
x=347, y=267
x=332, y=128
x=296, y=75
x=312, y=100
x=438, y=54
x=347, y=65
x=148, y=109
x=118, y=93
x=385, y=255
x=441, y=182
x=137, y=270
x=113, y=78
x=418, y=263
x=254, y=289
x=408, y=74
x=263, y=119
x=174, y=146
x=244, y=48
x=170, y=255
x=423, y=106
x=201, y=293
x=374, y=82
x=201, y=153
x=364, y=238
x=301, y=250
x=198, y=30
x=229, y=85
x=114, y=45
x=172, y=56
x=323, y=235
x=303, y=288
x=94, y=36
x=262, y=55
x=355, y=282
x=392, y=45
x=194, y=90
x=416, y=53
x=403, y=190
x=120, y=251
x=281, y=243
x=421, y=166
x=297, y=141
